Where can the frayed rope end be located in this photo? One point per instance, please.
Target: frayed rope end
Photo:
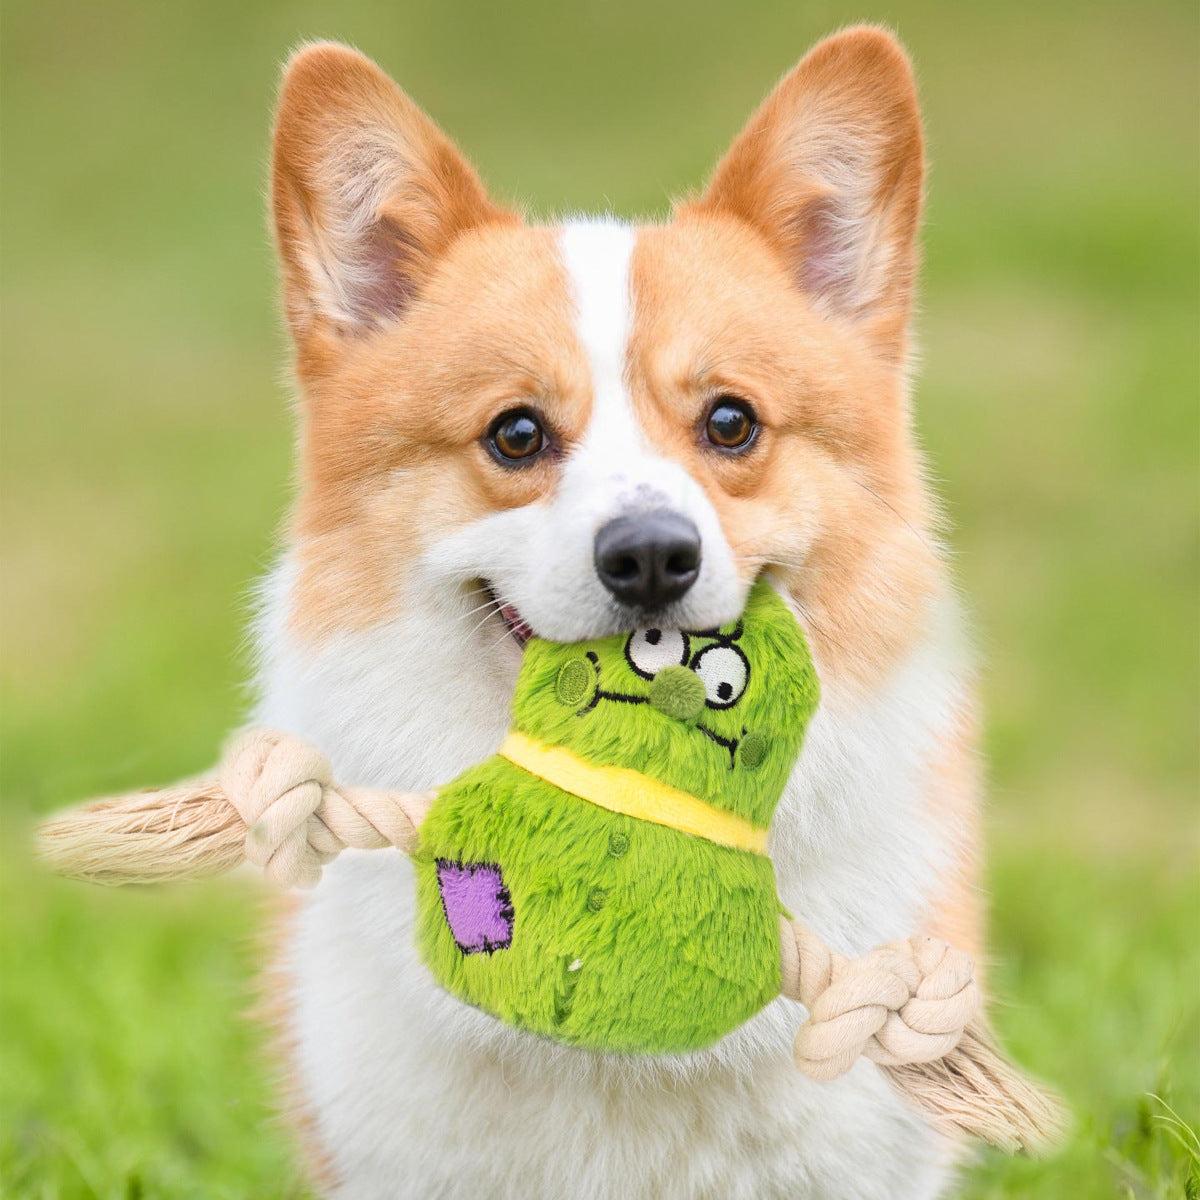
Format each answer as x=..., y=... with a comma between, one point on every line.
x=976, y=1090
x=183, y=832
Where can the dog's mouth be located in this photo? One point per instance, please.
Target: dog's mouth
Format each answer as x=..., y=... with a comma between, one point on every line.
x=518, y=628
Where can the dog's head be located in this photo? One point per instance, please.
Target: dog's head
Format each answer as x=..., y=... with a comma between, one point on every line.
x=590, y=426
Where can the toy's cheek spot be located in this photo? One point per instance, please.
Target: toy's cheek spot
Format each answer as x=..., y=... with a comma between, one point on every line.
x=678, y=692
x=574, y=682
x=618, y=844
x=752, y=750
x=597, y=899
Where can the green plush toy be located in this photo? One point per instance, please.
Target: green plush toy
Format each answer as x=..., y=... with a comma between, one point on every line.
x=604, y=879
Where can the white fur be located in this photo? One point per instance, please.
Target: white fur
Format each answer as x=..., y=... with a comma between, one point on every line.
x=416, y=1095
x=597, y=255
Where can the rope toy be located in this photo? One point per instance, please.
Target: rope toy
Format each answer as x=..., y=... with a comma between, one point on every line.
x=529, y=938
x=296, y=820
x=908, y=1002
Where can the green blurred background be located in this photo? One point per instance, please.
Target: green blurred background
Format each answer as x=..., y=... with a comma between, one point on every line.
x=145, y=457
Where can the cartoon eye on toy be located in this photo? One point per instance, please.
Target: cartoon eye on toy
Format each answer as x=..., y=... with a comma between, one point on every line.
x=649, y=650
x=724, y=672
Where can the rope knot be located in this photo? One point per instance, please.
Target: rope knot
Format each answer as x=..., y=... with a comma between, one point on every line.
x=297, y=821
x=277, y=783
x=906, y=1002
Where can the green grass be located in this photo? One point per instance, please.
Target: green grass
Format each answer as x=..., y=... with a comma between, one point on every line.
x=144, y=460
x=132, y=1071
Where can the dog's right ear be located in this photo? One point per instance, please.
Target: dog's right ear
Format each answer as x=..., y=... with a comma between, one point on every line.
x=366, y=193
x=829, y=170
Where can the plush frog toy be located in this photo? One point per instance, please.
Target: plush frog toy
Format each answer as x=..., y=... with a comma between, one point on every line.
x=604, y=880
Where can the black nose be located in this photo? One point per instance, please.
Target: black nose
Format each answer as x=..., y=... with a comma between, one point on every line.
x=648, y=560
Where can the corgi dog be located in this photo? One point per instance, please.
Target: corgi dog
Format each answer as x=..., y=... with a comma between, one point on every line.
x=573, y=430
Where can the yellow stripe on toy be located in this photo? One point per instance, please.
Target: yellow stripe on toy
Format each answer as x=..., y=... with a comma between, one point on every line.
x=622, y=790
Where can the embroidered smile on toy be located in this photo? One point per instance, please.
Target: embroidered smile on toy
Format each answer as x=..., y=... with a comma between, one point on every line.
x=603, y=880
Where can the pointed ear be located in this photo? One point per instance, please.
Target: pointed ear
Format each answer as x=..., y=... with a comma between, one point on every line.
x=830, y=170
x=366, y=192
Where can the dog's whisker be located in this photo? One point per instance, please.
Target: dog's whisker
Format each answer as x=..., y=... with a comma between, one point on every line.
x=481, y=621
x=765, y=560
x=494, y=612
x=817, y=628
x=490, y=602
x=499, y=640
x=897, y=514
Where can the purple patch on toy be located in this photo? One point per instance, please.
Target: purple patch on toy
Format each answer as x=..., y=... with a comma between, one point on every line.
x=477, y=905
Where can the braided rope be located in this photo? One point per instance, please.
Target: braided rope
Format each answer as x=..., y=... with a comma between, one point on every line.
x=907, y=1002
x=913, y=1008
x=297, y=821
x=273, y=803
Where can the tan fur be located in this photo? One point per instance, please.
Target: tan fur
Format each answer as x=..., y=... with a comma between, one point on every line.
x=831, y=492
x=392, y=415
x=393, y=410
x=273, y=1010
x=360, y=176
x=957, y=914
x=390, y=446
x=838, y=143
x=815, y=337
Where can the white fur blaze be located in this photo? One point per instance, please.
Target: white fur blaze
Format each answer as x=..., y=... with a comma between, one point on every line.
x=597, y=256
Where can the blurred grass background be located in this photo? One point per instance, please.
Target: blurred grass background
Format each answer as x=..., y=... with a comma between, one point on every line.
x=145, y=459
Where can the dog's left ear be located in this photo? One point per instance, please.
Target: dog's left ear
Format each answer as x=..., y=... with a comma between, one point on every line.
x=830, y=170
x=367, y=194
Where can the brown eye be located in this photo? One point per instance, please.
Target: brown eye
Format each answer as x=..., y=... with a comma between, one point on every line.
x=731, y=424
x=516, y=435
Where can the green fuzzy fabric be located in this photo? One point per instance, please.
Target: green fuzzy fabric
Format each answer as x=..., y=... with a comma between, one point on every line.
x=627, y=936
